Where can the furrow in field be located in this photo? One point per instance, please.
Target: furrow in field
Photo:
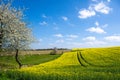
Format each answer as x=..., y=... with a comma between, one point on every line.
x=100, y=57
x=85, y=60
x=79, y=59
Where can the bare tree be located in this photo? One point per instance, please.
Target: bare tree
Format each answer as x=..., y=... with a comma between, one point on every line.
x=14, y=33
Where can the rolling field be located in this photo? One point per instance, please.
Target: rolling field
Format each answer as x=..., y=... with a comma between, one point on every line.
x=78, y=64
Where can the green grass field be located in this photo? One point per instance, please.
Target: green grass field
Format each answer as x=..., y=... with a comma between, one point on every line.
x=78, y=64
x=7, y=62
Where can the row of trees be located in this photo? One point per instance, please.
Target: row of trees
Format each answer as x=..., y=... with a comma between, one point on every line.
x=14, y=33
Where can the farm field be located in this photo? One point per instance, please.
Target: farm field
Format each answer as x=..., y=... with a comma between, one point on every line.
x=78, y=64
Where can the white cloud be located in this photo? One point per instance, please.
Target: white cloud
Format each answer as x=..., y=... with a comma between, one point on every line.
x=75, y=44
x=102, y=8
x=60, y=41
x=58, y=35
x=95, y=43
x=114, y=38
x=44, y=16
x=96, y=30
x=109, y=0
x=86, y=13
x=92, y=41
x=102, y=26
x=40, y=40
x=94, y=0
x=99, y=0
x=72, y=36
x=89, y=38
x=37, y=42
x=105, y=25
x=64, y=18
x=43, y=23
x=97, y=23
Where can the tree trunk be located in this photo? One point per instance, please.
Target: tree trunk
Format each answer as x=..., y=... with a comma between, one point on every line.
x=16, y=58
x=1, y=33
x=1, y=37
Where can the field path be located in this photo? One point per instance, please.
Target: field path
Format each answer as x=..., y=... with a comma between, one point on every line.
x=79, y=57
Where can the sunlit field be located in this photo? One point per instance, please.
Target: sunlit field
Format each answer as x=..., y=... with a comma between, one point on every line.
x=89, y=63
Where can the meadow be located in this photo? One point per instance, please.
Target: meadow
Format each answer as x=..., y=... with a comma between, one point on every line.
x=77, y=64
x=27, y=58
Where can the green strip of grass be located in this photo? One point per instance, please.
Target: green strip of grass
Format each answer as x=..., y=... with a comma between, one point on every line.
x=37, y=59
x=9, y=61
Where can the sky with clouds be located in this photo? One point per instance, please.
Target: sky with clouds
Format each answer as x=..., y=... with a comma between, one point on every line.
x=73, y=23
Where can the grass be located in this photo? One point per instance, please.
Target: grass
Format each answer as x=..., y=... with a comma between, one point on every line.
x=80, y=64
x=27, y=60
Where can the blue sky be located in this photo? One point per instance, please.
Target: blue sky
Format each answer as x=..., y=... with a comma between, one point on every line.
x=73, y=23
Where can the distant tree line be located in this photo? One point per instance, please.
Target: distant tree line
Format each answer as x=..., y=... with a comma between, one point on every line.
x=47, y=49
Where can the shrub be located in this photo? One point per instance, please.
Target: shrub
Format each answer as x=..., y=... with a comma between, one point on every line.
x=54, y=51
